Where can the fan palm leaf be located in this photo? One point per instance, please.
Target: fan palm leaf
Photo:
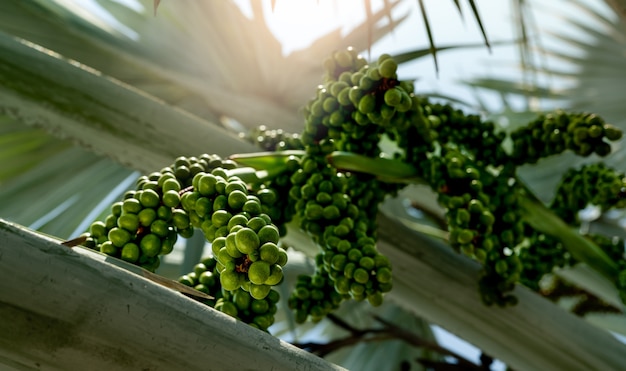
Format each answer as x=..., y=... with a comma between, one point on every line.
x=583, y=61
x=206, y=57
x=583, y=70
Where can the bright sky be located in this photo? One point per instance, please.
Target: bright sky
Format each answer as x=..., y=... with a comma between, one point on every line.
x=314, y=17
x=297, y=23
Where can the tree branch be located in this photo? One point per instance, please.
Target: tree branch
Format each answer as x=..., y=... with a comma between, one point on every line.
x=389, y=332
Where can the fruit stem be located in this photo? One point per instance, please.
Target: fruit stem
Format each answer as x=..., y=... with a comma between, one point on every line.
x=266, y=160
x=251, y=175
x=385, y=169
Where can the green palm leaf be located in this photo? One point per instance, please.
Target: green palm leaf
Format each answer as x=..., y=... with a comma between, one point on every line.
x=189, y=57
x=22, y=148
x=58, y=194
x=593, y=81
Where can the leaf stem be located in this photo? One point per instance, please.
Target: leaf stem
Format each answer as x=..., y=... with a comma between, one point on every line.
x=385, y=169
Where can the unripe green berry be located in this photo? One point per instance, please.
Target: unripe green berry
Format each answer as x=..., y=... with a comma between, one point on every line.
x=465, y=236
x=132, y=206
x=367, y=104
x=180, y=219
x=361, y=276
x=236, y=199
x=259, y=291
x=149, y=198
x=108, y=248
x=130, y=252
x=259, y=272
x=119, y=236
x=150, y=245
x=276, y=275
x=383, y=275
x=247, y=240
x=388, y=68
x=393, y=97
x=230, y=280
x=269, y=252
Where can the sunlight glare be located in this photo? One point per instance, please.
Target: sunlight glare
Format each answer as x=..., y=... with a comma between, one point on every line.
x=297, y=24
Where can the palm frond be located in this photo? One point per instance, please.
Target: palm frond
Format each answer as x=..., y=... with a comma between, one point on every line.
x=586, y=67
x=511, y=87
x=189, y=55
x=58, y=194
x=480, y=23
x=429, y=33
x=22, y=148
x=423, y=52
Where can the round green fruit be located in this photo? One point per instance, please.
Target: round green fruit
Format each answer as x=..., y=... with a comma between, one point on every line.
x=259, y=272
x=170, y=184
x=221, y=218
x=247, y=240
x=150, y=245
x=269, y=233
x=259, y=306
x=206, y=184
x=108, y=248
x=259, y=291
x=159, y=227
x=149, y=198
x=388, y=68
x=269, y=252
x=231, y=246
x=131, y=205
x=97, y=229
x=130, y=252
x=129, y=222
x=171, y=198
x=147, y=216
x=276, y=275
x=180, y=219
x=119, y=236
x=230, y=280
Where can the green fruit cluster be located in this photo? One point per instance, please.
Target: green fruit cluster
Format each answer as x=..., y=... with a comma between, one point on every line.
x=461, y=156
x=338, y=211
x=315, y=296
x=205, y=278
x=591, y=184
x=200, y=193
x=484, y=226
x=240, y=304
x=243, y=238
x=469, y=132
x=539, y=255
x=358, y=107
x=554, y=133
x=336, y=208
x=148, y=221
x=355, y=107
x=272, y=139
